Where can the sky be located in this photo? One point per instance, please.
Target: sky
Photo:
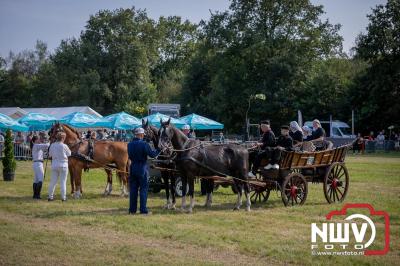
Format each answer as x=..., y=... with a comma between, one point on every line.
x=22, y=22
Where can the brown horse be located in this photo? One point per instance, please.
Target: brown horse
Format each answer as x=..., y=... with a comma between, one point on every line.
x=105, y=153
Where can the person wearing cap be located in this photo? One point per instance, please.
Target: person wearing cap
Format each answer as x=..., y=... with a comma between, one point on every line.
x=267, y=145
x=138, y=151
x=186, y=131
x=59, y=153
x=285, y=141
x=38, y=149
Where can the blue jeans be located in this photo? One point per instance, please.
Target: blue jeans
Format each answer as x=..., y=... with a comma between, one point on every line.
x=136, y=183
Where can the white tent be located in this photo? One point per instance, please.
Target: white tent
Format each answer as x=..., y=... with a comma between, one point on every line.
x=13, y=112
x=59, y=112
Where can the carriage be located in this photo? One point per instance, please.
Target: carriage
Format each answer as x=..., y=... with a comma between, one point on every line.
x=296, y=169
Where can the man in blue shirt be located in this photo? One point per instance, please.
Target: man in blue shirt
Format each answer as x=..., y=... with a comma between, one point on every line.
x=138, y=151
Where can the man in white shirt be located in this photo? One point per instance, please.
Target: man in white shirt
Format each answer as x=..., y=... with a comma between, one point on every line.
x=59, y=152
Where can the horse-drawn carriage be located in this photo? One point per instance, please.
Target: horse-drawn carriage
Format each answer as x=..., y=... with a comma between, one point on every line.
x=296, y=169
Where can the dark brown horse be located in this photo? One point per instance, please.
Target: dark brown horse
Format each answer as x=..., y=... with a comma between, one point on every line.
x=197, y=159
x=168, y=177
x=105, y=153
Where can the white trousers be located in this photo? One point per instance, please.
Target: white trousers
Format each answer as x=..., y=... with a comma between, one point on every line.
x=39, y=172
x=58, y=172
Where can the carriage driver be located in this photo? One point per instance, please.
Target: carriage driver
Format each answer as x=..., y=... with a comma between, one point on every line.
x=267, y=145
x=138, y=150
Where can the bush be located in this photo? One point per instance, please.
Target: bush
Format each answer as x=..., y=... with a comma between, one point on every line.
x=9, y=163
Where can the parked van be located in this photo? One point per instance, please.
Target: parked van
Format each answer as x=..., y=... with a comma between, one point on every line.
x=339, y=129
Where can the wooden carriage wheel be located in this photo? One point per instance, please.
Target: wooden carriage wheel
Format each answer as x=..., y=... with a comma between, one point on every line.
x=294, y=189
x=259, y=195
x=336, y=182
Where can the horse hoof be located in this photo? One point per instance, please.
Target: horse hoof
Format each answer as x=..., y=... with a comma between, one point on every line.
x=173, y=207
x=166, y=207
x=235, y=208
x=247, y=209
x=190, y=210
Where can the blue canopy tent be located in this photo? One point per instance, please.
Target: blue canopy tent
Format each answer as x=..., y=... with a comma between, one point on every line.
x=37, y=121
x=198, y=122
x=82, y=120
x=7, y=122
x=154, y=120
x=122, y=121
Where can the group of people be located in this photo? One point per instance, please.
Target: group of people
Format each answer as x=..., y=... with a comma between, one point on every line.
x=377, y=140
x=59, y=153
x=292, y=138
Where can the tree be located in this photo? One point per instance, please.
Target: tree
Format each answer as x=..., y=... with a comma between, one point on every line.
x=9, y=164
x=259, y=46
x=376, y=93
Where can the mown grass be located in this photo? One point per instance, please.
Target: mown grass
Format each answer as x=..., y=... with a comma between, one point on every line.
x=97, y=230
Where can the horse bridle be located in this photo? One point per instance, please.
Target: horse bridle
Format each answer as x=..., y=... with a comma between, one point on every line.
x=70, y=145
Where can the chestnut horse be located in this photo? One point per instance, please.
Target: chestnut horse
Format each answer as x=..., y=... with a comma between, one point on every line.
x=105, y=153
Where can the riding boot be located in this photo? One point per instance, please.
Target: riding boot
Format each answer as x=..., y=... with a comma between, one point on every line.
x=34, y=190
x=39, y=188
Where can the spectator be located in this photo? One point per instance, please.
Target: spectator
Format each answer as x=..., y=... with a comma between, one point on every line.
x=129, y=136
x=371, y=136
x=29, y=137
x=359, y=144
x=89, y=134
x=19, y=138
x=93, y=135
x=105, y=134
x=381, y=137
x=99, y=135
x=221, y=137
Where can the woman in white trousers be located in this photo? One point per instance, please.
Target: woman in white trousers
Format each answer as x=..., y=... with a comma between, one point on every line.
x=59, y=152
x=38, y=149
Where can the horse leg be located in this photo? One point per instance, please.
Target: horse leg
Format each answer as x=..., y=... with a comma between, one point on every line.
x=239, y=188
x=172, y=189
x=108, y=188
x=191, y=194
x=77, y=179
x=71, y=175
x=164, y=176
x=122, y=177
x=209, y=189
x=184, y=182
x=124, y=181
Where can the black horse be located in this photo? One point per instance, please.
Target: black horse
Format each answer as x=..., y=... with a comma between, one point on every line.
x=168, y=177
x=195, y=159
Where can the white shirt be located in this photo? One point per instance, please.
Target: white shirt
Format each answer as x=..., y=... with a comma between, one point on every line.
x=59, y=153
x=38, y=151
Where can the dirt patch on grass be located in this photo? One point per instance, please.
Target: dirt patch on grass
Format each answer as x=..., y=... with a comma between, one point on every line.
x=112, y=238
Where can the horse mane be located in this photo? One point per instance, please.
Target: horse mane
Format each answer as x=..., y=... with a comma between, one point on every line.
x=73, y=130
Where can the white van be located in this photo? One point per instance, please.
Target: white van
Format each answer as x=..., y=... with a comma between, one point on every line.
x=339, y=129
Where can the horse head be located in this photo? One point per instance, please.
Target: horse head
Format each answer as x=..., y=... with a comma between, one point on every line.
x=57, y=127
x=151, y=132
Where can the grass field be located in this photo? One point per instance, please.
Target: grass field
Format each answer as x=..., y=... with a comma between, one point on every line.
x=96, y=230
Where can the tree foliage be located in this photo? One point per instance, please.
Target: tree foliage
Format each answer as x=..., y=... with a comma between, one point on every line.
x=123, y=60
x=376, y=93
